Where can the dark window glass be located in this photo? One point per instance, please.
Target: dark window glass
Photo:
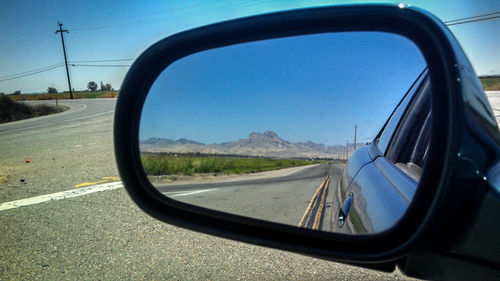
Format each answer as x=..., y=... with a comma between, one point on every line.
x=385, y=136
x=410, y=143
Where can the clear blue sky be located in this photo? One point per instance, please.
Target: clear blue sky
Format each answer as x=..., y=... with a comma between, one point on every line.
x=123, y=29
x=314, y=87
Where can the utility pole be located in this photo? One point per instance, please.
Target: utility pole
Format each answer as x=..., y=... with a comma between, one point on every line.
x=355, y=134
x=65, y=59
x=347, y=150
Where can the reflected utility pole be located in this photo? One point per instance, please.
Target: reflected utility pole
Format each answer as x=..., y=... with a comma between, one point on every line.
x=355, y=135
x=347, y=151
x=65, y=59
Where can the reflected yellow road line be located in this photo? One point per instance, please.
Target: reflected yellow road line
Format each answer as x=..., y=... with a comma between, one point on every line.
x=319, y=212
x=307, y=213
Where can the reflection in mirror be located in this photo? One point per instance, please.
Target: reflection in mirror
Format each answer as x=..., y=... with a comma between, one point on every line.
x=285, y=129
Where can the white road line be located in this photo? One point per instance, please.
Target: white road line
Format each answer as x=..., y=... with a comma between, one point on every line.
x=60, y=195
x=190, y=192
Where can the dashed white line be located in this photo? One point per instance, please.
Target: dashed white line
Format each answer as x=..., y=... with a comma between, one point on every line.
x=189, y=192
x=60, y=195
x=80, y=192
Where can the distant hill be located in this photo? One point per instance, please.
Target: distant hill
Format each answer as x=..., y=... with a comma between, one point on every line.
x=167, y=141
x=267, y=144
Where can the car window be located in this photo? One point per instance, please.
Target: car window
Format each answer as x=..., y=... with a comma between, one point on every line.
x=409, y=145
x=387, y=132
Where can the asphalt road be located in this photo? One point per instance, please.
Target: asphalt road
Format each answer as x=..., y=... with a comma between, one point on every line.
x=64, y=150
x=103, y=235
x=79, y=110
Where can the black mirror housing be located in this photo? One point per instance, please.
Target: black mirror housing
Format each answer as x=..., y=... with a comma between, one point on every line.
x=463, y=118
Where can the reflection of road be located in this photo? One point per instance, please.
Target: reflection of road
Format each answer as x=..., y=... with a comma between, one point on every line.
x=281, y=199
x=313, y=216
x=494, y=99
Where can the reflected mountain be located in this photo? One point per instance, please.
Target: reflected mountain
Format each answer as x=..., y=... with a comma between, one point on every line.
x=267, y=144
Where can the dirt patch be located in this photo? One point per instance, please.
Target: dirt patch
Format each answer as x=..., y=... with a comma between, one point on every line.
x=3, y=178
x=5, y=172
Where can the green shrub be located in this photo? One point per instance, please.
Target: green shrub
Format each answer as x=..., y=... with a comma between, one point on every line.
x=157, y=164
x=13, y=111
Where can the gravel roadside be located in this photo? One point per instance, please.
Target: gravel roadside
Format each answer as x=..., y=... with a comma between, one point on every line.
x=60, y=157
x=104, y=236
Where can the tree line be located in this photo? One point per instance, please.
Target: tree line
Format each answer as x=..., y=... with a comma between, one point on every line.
x=91, y=86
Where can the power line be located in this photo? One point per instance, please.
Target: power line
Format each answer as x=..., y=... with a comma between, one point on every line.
x=36, y=72
x=223, y=8
x=56, y=65
x=109, y=60
x=110, y=26
x=102, y=65
x=207, y=4
x=472, y=17
x=475, y=20
x=33, y=70
x=482, y=17
x=191, y=12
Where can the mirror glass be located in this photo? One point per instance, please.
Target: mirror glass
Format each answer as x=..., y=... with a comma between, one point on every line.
x=281, y=130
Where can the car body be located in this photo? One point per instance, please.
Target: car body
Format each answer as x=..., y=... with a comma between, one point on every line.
x=380, y=179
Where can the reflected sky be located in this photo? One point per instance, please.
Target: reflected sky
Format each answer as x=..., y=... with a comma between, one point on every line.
x=313, y=87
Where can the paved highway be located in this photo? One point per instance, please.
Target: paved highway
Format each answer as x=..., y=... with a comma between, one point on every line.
x=284, y=199
x=103, y=235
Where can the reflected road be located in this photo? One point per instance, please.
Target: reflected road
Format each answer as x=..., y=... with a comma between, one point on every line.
x=302, y=197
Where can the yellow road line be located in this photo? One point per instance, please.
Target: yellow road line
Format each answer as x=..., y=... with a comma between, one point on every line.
x=111, y=178
x=319, y=213
x=104, y=180
x=311, y=203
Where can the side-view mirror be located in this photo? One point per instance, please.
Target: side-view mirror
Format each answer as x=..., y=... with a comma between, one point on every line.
x=358, y=134
x=262, y=129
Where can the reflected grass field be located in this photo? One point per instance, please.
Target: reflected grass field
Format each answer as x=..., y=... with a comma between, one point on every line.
x=490, y=83
x=157, y=164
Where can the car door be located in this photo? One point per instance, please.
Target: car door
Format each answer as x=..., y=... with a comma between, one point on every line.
x=379, y=180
